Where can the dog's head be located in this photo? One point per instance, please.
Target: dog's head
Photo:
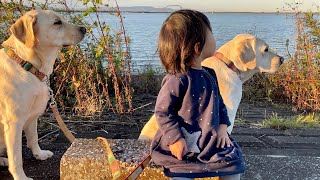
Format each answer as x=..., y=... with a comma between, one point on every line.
x=47, y=29
x=250, y=53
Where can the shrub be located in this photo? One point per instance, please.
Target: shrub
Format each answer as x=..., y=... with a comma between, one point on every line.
x=297, y=82
x=299, y=76
x=93, y=76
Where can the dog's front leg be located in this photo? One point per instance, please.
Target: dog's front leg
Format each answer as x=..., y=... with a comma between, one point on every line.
x=13, y=140
x=32, y=141
x=3, y=161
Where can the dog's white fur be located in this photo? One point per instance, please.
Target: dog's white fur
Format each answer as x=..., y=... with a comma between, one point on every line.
x=248, y=53
x=36, y=37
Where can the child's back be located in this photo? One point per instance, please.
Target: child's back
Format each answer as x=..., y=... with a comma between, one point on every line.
x=192, y=139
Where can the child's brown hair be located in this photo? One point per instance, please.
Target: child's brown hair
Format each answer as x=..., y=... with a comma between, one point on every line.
x=179, y=35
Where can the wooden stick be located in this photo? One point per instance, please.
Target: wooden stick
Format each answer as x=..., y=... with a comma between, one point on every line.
x=59, y=127
x=138, y=170
x=48, y=134
x=142, y=106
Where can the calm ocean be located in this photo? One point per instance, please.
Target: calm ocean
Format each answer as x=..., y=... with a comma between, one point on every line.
x=143, y=29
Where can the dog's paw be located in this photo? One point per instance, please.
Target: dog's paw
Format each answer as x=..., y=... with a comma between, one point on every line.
x=18, y=174
x=24, y=178
x=43, y=155
x=4, y=161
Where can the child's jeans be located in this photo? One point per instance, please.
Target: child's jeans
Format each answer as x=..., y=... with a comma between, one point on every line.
x=231, y=177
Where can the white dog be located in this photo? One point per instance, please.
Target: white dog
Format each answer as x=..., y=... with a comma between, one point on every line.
x=37, y=38
x=234, y=63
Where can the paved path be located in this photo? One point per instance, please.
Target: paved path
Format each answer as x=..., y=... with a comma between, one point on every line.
x=283, y=155
x=269, y=154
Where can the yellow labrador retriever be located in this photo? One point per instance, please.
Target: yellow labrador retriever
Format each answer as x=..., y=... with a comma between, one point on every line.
x=26, y=61
x=234, y=63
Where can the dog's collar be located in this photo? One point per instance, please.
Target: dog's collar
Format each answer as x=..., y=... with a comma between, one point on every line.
x=24, y=64
x=227, y=61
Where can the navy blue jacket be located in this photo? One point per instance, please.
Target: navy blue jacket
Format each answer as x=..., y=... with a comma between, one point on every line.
x=190, y=106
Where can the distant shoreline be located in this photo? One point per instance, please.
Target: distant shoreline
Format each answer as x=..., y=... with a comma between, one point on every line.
x=204, y=12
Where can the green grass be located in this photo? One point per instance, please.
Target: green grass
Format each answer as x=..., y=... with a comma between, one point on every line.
x=241, y=122
x=311, y=120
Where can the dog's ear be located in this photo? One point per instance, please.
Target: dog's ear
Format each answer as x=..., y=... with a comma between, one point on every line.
x=23, y=30
x=246, y=58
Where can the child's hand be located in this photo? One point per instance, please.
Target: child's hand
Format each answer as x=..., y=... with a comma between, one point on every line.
x=223, y=138
x=179, y=148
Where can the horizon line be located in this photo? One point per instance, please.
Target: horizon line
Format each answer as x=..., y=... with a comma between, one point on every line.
x=209, y=12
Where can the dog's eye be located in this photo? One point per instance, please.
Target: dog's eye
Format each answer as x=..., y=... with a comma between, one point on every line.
x=58, y=22
x=266, y=50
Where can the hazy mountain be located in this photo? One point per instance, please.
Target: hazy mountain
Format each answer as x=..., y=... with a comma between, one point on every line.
x=145, y=9
x=139, y=9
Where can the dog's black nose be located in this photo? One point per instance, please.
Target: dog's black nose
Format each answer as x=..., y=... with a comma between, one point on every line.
x=83, y=30
x=281, y=59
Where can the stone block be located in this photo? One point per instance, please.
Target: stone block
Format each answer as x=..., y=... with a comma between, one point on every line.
x=87, y=159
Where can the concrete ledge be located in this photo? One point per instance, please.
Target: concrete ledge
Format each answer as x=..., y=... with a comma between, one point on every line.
x=295, y=142
x=87, y=159
x=309, y=132
x=248, y=141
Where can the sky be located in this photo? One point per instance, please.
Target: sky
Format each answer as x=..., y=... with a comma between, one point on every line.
x=227, y=5
x=216, y=5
